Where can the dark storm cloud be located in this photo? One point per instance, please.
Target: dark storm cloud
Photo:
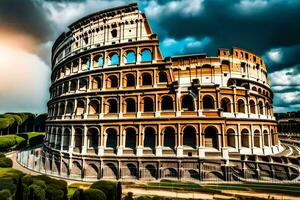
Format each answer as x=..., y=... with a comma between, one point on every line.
x=25, y=17
x=257, y=28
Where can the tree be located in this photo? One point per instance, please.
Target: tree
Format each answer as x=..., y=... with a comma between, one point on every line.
x=19, y=190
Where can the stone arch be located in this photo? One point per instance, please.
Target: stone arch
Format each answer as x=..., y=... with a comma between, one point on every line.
x=211, y=137
x=70, y=107
x=252, y=107
x=208, y=102
x=162, y=77
x=76, y=169
x=171, y=173
x=73, y=85
x=169, y=137
x=267, y=108
x=187, y=103
x=266, y=138
x=66, y=138
x=226, y=104
x=78, y=139
x=113, y=59
x=254, y=88
x=256, y=138
x=261, y=107
x=130, y=80
x=83, y=84
x=189, y=137
x=92, y=135
x=146, y=79
x=130, y=57
x=91, y=170
x=167, y=103
x=58, y=138
x=112, y=81
x=110, y=171
x=150, y=171
x=112, y=106
x=98, y=60
x=193, y=174
x=245, y=138
x=62, y=108
x=130, y=105
x=130, y=138
x=146, y=55
x=94, y=107
x=231, y=138
x=111, y=138
x=132, y=169
x=241, y=106
x=149, y=138
x=148, y=104
x=65, y=168
x=80, y=110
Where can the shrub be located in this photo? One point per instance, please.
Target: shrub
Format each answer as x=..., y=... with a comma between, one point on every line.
x=78, y=195
x=36, y=192
x=8, y=183
x=4, y=194
x=2, y=155
x=5, y=162
x=110, y=188
x=94, y=194
x=11, y=141
x=129, y=196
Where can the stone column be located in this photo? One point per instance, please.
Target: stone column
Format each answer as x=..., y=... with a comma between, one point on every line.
x=71, y=147
x=84, y=146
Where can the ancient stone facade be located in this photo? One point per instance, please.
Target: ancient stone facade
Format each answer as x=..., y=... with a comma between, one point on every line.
x=119, y=109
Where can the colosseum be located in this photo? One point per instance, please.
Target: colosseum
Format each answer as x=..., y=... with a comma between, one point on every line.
x=119, y=110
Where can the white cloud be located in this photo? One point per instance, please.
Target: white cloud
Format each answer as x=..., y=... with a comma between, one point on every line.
x=250, y=6
x=184, y=7
x=285, y=77
x=275, y=55
x=168, y=42
x=24, y=81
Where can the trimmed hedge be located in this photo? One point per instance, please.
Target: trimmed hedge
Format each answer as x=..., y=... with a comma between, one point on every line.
x=5, y=162
x=94, y=194
x=112, y=189
x=4, y=194
x=11, y=141
x=33, y=138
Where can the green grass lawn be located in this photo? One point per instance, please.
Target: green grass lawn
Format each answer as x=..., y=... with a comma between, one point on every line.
x=33, y=134
x=10, y=172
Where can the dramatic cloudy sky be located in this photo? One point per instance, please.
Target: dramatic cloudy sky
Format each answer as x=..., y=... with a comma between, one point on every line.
x=267, y=27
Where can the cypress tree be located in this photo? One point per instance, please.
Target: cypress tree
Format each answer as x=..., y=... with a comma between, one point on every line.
x=19, y=190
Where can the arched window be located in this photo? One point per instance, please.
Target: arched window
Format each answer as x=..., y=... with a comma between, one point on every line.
x=259, y=90
x=85, y=64
x=62, y=109
x=92, y=135
x=211, y=137
x=261, y=108
x=245, y=138
x=252, y=107
x=169, y=137
x=100, y=61
x=189, y=137
x=112, y=82
x=70, y=108
x=163, y=77
x=78, y=139
x=230, y=138
x=256, y=138
x=130, y=138
x=241, y=106
x=130, y=57
x=73, y=86
x=146, y=55
x=149, y=140
x=66, y=88
x=130, y=105
x=226, y=105
x=94, y=107
x=187, y=103
x=111, y=138
x=113, y=59
x=267, y=109
x=148, y=104
x=208, y=102
x=146, y=79
x=80, y=107
x=66, y=139
x=112, y=106
x=254, y=88
x=167, y=103
x=96, y=82
x=266, y=138
x=83, y=84
x=130, y=80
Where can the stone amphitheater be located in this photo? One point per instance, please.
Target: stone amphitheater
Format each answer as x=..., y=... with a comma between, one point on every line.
x=119, y=110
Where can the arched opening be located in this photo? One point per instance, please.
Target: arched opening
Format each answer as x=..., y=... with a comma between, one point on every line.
x=83, y=84
x=86, y=65
x=163, y=77
x=94, y=107
x=148, y=104
x=99, y=61
x=80, y=107
x=111, y=138
x=66, y=139
x=130, y=57
x=261, y=108
x=257, y=138
x=189, y=137
x=231, y=138
x=112, y=82
x=133, y=171
x=252, y=107
x=70, y=108
x=130, y=105
x=66, y=88
x=112, y=106
x=92, y=135
x=78, y=139
x=146, y=55
x=171, y=173
x=146, y=79
x=211, y=137
x=208, y=102
x=150, y=171
x=130, y=80
x=273, y=135
x=254, y=88
x=110, y=170
x=113, y=59
x=226, y=105
x=149, y=138
x=169, y=137
x=130, y=138
x=58, y=139
x=62, y=109
x=268, y=109
x=187, y=103
x=245, y=138
x=259, y=91
x=73, y=86
x=266, y=138
x=241, y=106
x=96, y=82
x=167, y=103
